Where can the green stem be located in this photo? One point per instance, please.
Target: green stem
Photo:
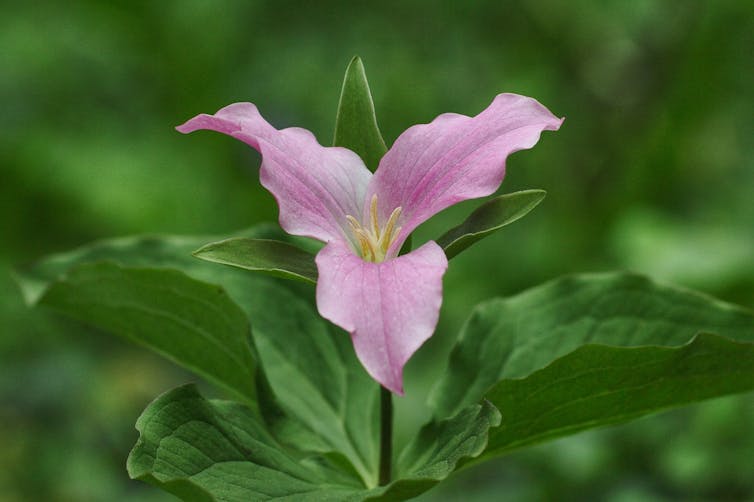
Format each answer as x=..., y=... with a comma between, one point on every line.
x=386, y=435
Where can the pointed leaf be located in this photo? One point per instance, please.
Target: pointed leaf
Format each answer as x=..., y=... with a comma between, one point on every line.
x=190, y=322
x=488, y=218
x=513, y=337
x=598, y=385
x=356, y=124
x=262, y=255
x=440, y=448
x=645, y=360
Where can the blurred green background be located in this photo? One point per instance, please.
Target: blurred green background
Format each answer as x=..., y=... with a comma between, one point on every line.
x=652, y=171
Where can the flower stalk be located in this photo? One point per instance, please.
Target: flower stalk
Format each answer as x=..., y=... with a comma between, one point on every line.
x=386, y=436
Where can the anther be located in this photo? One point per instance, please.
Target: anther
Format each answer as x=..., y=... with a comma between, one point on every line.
x=373, y=214
x=373, y=243
x=387, y=236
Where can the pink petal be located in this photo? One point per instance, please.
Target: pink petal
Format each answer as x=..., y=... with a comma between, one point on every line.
x=454, y=158
x=390, y=308
x=315, y=186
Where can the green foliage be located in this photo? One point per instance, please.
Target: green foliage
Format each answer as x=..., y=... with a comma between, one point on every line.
x=572, y=354
x=597, y=385
x=262, y=255
x=657, y=124
x=190, y=322
x=440, y=445
x=217, y=450
x=511, y=338
x=356, y=123
x=310, y=370
x=586, y=351
x=323, y=400
x=164, y=251
x=488, y=218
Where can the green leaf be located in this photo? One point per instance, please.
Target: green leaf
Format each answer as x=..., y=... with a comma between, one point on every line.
x=190, y=322
x=440, y=445
x=644, y=331
x=316, y=393
x=488, y=218
x=440, y=448
x=218, y=450
x=599, y=385
x=202, y=449
x=262, y=255
x=316, y=379
x=355, y=123
x=163, y=251
x=316, y=399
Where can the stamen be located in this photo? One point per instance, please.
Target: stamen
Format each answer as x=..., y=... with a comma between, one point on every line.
x=373, y=243
x=367, y=248
x=355, y=225
x=373, y=214
x=387, y=237
x=385, y=244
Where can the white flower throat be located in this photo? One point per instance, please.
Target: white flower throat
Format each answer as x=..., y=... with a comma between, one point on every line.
x=374, y=241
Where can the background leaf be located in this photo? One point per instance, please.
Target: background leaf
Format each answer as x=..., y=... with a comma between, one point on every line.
x=261, y=255
x=356, y=123
x=488, y=218
x=190, y=322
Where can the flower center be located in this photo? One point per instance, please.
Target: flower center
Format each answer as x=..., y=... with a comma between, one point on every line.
x=373, y=240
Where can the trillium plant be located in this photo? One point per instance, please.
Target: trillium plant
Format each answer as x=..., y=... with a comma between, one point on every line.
x=307, y=332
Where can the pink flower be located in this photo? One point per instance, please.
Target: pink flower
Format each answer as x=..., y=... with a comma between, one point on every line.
x=389, y=304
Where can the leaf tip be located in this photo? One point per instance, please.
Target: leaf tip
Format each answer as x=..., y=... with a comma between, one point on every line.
x=203, y=250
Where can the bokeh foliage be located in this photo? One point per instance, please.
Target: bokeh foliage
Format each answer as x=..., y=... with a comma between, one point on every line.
x=652, y=171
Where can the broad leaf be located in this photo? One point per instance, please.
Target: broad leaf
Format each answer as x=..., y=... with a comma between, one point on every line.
x=316, y=378
x=488, y=218
x=163, y=251
x=513, y=337
x=598, y=385
x=262, y=255
x=506, y=341
x=355, y=123
x=219, y=450
x=190, y=322
x=326, y=402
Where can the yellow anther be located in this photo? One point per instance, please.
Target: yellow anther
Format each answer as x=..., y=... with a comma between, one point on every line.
x=367, y=250
x=374, y=242
x=373, y=214
x=355, y=225
x=387, y=238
